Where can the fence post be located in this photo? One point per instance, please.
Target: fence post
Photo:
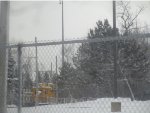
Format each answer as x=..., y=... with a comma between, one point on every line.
x=115, y=53
x=20, y=79
x=3, y=79
x=4, y=26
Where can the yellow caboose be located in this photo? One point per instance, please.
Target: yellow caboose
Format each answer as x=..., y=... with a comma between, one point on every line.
x=44, y=93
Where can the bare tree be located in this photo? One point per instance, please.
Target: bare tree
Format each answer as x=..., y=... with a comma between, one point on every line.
x=69, y=52
x=27, y=73
x=127, y=17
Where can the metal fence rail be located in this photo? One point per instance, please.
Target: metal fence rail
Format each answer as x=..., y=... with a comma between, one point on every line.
x=33, y=44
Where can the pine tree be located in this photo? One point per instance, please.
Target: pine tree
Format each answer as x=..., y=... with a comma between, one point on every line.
x=66, y=80
x=12, y=83
x=95, y=58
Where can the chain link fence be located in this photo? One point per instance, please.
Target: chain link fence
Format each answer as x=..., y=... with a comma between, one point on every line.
x=38, y=81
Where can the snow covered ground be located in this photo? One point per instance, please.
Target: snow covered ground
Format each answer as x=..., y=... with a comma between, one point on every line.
x=102, y=105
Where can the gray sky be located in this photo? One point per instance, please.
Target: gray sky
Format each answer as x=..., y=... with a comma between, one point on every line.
x=43, y=19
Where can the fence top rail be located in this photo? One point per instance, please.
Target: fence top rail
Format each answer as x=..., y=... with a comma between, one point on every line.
x=76, y=41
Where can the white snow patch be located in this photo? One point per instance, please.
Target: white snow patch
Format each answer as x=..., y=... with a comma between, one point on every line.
x=102, y=105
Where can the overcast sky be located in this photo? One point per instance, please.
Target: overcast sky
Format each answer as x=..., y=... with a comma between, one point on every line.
x=43, y=19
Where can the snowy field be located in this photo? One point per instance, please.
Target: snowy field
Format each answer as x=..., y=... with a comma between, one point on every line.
x=97, y=106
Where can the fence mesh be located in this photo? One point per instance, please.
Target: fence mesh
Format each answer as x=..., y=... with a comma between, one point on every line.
x=85, y=81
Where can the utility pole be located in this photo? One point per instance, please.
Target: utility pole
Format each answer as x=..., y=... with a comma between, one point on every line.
x=37, y=78
x=4, y=31
x=56, y=82
x=51, y=69
x=61, y=2
x=115, y=52
x=56, y=66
